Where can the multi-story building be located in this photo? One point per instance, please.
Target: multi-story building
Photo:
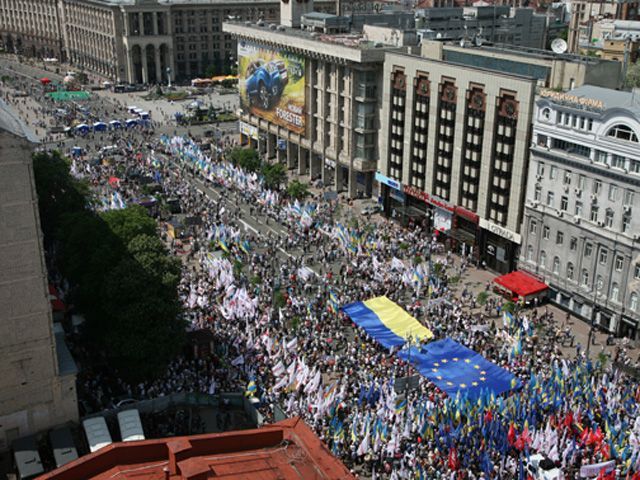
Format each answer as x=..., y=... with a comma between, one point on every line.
x=331, y=130
x=31, y=28
x=454, y=142
x=580, y=233
x=131, y=40
x=37, y=374
x=496, y=24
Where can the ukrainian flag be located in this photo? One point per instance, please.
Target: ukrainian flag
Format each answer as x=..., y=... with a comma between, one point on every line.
x=401, y=406
x=251, y=389
x=223, y=245
x=386, y=322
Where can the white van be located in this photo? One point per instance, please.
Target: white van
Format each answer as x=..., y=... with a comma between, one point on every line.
x=97, y=433
x=130, y=425
x=541, y=468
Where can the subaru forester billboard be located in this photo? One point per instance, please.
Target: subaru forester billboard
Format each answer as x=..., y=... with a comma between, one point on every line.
x=271, y=85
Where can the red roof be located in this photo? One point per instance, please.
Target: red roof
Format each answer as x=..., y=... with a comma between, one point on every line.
x=521, y=283
x=286, y=450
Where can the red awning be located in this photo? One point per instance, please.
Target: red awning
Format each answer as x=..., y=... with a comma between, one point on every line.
x=521, y=284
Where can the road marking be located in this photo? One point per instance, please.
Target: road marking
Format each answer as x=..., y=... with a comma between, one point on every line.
x=247, y=226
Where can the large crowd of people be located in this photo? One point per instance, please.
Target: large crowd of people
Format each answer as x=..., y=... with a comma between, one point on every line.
x=273, y=303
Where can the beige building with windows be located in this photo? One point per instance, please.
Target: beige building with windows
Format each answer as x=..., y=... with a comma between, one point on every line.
x=37, y=373
x=455, y=151
x=133, y=41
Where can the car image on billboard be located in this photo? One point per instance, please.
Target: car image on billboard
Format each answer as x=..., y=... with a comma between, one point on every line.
x=272, y=85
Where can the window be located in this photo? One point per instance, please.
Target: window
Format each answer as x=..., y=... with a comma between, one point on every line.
x=573, y=243
x=567, y=177
x=618, y=161
x=633, y=302
x=597, y=186
x=553, y=172
x=533, y=227
x=588, y=249
x=581, y=180
x=564, y=203
x=559, y=238
x=602, y=258
x=529, y=253
x=615, y=292
x=593, y=216
x=634, y=166
x=626, y=222
x=599, y=283
x=540, y=168
x=545, y=233
x=613, y=192
x=570, y=271
x=578, y=209
x=537, y=193
x=543, y=259
x=584, y=279
x=608, y=218
x=628, y=197
x=550, y=199
x=636, y=271
x=622, y=132
x=619, y=263
x=546, y=113
x=556, y=265
x=601, y=157
x=571, y=147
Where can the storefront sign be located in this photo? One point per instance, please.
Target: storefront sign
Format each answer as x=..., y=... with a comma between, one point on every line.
x=500, y=231
x=390, y=182
x=425, y=197
x=249, y=130
x=442, y=220
x=572, y=100
x=469, y=215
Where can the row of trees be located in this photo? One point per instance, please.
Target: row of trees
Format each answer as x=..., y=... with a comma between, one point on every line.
x=122, y=277
x=274, y=174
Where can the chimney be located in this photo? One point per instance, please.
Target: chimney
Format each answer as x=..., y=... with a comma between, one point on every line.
x=291, y=12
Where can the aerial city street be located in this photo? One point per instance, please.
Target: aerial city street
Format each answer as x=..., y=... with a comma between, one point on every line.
x=319, y=240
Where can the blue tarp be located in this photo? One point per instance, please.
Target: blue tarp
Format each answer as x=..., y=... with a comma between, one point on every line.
x=454, y=367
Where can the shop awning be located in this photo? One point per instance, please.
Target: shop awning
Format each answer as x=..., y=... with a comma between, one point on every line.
x=521, y=284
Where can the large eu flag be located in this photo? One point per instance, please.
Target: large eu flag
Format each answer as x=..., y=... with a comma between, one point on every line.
x=455, y=368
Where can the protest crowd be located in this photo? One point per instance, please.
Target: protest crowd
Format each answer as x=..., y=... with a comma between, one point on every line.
x=285, y=341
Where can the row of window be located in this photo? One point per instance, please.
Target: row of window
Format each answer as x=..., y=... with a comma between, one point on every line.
x=614, y=294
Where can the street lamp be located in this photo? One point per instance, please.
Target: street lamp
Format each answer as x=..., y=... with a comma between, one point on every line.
x=169, y=77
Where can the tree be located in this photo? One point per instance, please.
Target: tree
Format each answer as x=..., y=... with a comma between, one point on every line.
x=298, y=190
x=632, y=79
x=130, y=222
x=152, y=256
x=211, y=71
x=246, y=158
x=58, y=192
x=274, y=175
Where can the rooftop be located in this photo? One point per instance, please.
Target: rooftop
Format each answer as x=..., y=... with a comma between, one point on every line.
x=344, y=46
x=286, y=450
x=597, y=98
x=11, y=122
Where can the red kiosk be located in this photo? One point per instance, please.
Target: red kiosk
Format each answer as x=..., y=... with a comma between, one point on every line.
x=520, y=286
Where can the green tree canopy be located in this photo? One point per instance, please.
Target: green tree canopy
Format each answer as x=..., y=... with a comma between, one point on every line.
x=298, y=190
x=632, y=80
x=246, y=158
x=274, y=175
x=130, y=222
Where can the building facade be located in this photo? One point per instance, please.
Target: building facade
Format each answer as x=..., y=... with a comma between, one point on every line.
x=133, y=41
x=454, y=152
x=31, y=28
x=37, y=387
x=338, y=142
x=580, y=233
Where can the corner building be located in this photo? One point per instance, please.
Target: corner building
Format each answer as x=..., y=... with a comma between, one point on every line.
x=454, y=142
x=339, y=141
x=581, y=230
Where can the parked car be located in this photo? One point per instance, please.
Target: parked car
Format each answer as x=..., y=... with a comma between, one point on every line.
x=371, y=208
x=541, y=468
x=265, y=82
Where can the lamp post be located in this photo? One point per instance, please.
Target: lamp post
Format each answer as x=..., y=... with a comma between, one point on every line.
x=168, y=77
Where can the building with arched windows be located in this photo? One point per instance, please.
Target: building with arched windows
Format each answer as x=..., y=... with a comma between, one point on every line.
x=579, y=232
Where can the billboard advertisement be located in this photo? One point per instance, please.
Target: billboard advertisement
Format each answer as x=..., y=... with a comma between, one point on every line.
x=271, y=84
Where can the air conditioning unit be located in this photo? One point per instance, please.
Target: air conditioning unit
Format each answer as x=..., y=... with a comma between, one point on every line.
x=576, y=219
x=600, y=223
x=538, y=177
x=578, y=191
x=594, y=197
x=566, y=188
x=627, y=208
x=535, y=203
x=606, y=165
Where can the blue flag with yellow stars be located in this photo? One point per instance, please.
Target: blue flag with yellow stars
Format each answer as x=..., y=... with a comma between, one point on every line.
x=455, y=368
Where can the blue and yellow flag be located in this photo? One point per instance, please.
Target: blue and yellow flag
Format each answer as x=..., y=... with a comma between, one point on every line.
x=252, y=388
